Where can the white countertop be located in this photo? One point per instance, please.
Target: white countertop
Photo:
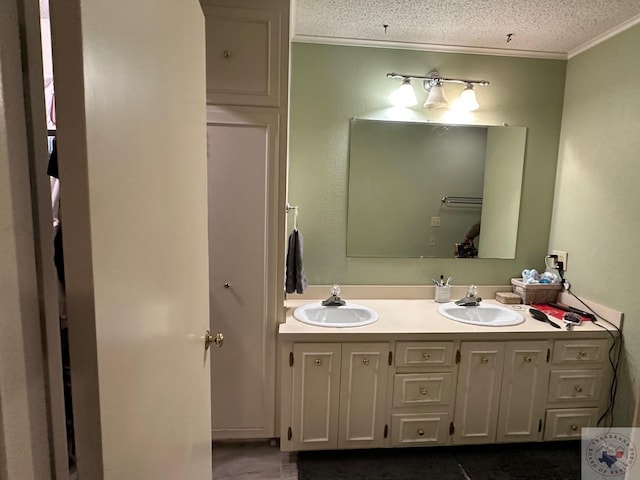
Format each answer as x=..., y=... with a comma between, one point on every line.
x=418, y=319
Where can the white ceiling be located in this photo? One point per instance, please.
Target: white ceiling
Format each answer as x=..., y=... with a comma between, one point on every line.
x=540, y=28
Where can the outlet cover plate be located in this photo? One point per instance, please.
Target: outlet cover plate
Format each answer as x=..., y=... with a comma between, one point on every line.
x=562, y=257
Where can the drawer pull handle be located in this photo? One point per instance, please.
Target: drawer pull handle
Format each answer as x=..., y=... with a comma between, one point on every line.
x=423, y=391
x=574, y=427
x=226, y=54
x=426, y=356
x=318, y=361
x=420, y=432
x=527, y=359
x=484, y=360
x=365, y=361
x=582, y=353
x=578, y=388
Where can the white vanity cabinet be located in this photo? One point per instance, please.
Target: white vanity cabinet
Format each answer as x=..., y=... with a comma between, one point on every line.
x=501, y=391
x=247, y=107
x=385, y=386
x=337, y=393
x=578, y=383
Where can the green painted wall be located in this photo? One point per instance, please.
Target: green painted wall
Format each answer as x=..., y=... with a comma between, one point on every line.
x=597, y=194
x=331, y=84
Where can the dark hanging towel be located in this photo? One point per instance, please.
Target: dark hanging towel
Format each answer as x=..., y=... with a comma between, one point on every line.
x=296, y=281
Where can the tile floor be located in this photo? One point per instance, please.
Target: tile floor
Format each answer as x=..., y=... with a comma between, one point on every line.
x=253, y=461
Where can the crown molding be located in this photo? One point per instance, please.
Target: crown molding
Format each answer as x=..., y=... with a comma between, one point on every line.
x=355, y=42
x=604, y=36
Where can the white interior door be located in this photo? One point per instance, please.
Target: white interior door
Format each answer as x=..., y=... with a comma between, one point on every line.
x=130, y=99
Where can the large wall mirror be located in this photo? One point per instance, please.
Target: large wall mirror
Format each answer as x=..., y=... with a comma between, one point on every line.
x=417, y=189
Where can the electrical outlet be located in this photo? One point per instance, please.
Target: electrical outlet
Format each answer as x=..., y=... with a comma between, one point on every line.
x=435, y=221
x=562, y=257
x=433, y=241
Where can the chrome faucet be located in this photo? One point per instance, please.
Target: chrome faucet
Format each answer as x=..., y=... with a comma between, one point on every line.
x=334, y=300
x=471, y=299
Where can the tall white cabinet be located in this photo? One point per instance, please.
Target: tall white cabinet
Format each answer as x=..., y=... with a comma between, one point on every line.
x=247, y=48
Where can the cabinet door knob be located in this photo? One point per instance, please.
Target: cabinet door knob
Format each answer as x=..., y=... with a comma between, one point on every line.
x=426, y=356
x=423, y=391
x=574, y=427
x=318, y=361
x=365, y=361
x=227, y=285
x=226, y=54
x=582, y=353
x=484, y=359
x=527, y=359
x=578, y=388
x=420, y=432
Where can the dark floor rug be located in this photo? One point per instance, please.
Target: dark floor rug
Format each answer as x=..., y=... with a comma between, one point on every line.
x=539, y=461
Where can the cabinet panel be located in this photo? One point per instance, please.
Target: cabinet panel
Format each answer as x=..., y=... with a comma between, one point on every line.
x=241, y=149
x=575, y=385
x=523, y=394
x=243, y=55
x=579, y=351
x=567, y=424
x=419, y=389
x=417, y=354
x=316, y=384
x=420, y=428
x=478, y=391
x=363, y=391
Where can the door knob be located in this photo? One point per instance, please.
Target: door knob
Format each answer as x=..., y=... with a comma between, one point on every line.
x=210, y=339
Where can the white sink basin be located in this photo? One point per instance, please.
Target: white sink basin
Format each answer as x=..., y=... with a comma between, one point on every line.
x=349, y=315
x=484, y=314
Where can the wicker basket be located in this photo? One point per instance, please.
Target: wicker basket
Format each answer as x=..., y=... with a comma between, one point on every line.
x=535, y=292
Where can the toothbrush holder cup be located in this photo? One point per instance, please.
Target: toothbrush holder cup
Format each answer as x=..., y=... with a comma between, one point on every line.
x=443, y=293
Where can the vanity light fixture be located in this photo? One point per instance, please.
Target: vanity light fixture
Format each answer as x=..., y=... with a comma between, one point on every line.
x=434, y=84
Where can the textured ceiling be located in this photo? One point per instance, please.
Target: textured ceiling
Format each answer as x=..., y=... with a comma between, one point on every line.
x=554, y=27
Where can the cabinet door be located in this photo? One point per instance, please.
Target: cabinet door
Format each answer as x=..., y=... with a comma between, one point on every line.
x=316, y=384
x=362, y=394
x=478, y=392
x=243, y=54
x=523, y=392
x=241, y=150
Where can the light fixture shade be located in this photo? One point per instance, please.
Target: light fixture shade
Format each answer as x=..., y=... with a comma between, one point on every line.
x=404, y=96
x=436, y=98
x=468, y=100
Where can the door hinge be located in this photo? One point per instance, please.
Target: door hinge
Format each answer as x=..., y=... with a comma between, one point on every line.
x=540, y=425
x=289, y=433
x=390, y=358
x=548, y=354
x=451, y=428
x=291, y=359
x=458, y=356
x=386, y=431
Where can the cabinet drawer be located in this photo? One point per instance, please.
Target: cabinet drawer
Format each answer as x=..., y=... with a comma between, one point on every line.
x=579, y=351
x=414, y=354
x=575, y=385
x=565, y=423
x=420, y=428
x=414, y=389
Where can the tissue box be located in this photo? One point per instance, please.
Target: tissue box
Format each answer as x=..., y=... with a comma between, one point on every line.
x=535, y=292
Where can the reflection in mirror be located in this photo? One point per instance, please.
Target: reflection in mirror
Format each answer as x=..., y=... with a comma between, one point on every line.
x=418, y=189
